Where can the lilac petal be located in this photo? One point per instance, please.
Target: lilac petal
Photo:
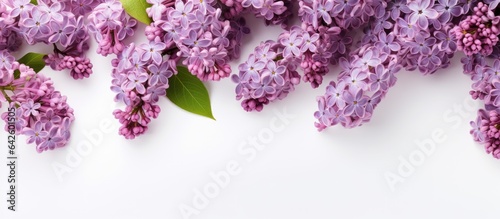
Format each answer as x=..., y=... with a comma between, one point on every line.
x=279, y=80
x=422, y=22
x=431, y=13
x=204, y=43
x=258, y=93
x=360, y=111
x=349, y=110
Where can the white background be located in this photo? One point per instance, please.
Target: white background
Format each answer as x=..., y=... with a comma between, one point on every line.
x=301, y=173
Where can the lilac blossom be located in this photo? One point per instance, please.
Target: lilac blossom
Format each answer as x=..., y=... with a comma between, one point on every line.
x=422, y=11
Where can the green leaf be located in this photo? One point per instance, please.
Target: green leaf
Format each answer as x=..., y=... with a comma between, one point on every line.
x=189, y=93
x=137, y=9
x=33, y=60
x=35, y=2
x=17, y=74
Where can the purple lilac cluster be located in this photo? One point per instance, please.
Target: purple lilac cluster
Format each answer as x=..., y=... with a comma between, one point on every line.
x=194, y=33
x=365, y=80
x=48, y=22
x=140, y=78
x=406, y=34
x=110, y=25
x=42, y=113
x=333, y=21
x=486, y=130
x=480, y=42
x=266, y=76
x=478, y=32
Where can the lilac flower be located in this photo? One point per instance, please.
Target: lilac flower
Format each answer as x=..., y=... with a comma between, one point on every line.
x=292, y=45
x=159, y=74
x=81, y=7
x=379, y=79
x=252, y=68
x=367, y=60
x=323, y=10
x=447, y=40
x=153, y=51
x=341, y=5
x=434, y=58
x=53, y=10
x=156, y=10
x=309, y=42
x=493, y=70
x=127, y=30
x=336, y=94
x=382, y=24
x=406, y=28
x=264, y=52
x=495, y=93
x=153, y=94
x=220, y=36
x=50, y=118
x=20, y=7
x=182, y=11
x=357, y=78
x=64, y=128
x=38, y=23
x=136, y=81
x=254, y=3
x=62, y=32
x=172, y=31
x=355, y=103
x=422, y=45
x=193, y=40
x=6, y=60
x=121, y=95
x=275, y=73
x=374, y=101
x=447, y=9
x=263, y=88
x=476, y=131
x=324, y=114
x=200, y=20
x=493, y=4
x=272, y=8
x=35, y=134
x=396, y=7
x=387, y=43
x=30, y=108
x=51, y=140
x=422, y=11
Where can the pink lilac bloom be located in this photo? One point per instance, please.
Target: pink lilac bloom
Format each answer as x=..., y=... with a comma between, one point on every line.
x=40, y=109
x=422, y=11
x=41, y=112
x=53, y=23
x=107, y=23
x=263, y=79
x=139, y=86
x=477, y=33
x=195, y=34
